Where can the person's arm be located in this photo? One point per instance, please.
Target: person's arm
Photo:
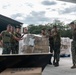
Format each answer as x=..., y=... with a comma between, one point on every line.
x=22, y=35
x=1, y=34
x=15, y=37
x=1, y=42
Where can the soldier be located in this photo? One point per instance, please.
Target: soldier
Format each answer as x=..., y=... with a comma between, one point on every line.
x=18, y=35
x=43, y=32
x=51, y=44
x=6, y=38
x=13, y=40
x=73, y=44
x=57, y=43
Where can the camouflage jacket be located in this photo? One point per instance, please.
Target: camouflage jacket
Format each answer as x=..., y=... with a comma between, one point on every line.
x=6, y=36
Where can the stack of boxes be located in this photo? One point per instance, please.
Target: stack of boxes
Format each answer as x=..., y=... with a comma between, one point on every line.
x=41, y=45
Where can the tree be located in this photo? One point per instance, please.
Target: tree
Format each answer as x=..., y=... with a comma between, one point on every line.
x=64, y=29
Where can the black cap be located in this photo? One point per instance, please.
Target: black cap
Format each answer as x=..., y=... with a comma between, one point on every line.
x=18, y=27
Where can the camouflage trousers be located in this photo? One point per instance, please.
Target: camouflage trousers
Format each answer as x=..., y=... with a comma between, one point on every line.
x=73, y=50
x=56, y=52
x=6, y=48
x=15, y=48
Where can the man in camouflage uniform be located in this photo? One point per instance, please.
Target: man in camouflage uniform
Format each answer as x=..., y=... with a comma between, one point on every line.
x=73, y=44
x=18, y=35
x=51, y=44
x=57, y=43
x=6, y=38
x=13, y=40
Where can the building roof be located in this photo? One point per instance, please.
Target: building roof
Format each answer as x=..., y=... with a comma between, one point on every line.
x=4, y=21
x=72, y=1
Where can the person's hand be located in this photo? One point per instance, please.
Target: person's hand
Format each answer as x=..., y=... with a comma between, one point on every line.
x=21, y=39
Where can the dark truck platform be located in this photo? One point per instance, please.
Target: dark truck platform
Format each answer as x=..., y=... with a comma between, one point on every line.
x=28, y=60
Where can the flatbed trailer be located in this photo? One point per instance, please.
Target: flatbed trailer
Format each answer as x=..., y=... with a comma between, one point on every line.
x=28, y=60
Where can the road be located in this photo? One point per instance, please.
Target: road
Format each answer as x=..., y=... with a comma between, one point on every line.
x=63, y=69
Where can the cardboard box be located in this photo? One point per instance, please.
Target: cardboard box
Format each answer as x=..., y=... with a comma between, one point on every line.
x=27, y=49
x=41, y=49
x=22, y=71
x=42, y=41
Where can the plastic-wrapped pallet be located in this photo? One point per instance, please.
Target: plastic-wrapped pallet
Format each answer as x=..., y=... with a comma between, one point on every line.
x=34, y=44
x=65, y=46
x=27, y=44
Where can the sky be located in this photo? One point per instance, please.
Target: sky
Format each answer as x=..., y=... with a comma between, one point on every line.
x=38, y=11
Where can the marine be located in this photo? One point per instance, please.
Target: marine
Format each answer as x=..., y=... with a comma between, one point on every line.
x=6, y=40
x=73, y=44
x=18, y=35
x=57, y=44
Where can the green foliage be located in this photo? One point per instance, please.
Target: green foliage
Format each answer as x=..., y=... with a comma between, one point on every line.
x=64, y=29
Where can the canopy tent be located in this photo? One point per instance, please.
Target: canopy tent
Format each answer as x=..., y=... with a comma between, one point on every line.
x=72, y=1
x=4, y=21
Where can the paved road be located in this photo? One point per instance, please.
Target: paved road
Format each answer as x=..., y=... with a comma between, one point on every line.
x=63, y=69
